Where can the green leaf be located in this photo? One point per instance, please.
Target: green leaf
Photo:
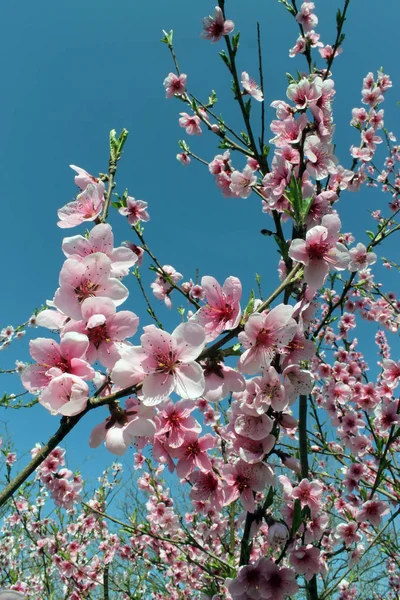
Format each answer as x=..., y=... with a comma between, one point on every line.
x=167, y=39
x=247, y=107
x=235, y=41
x=250, y=305
x=297, y=516
x=225, y=58
x=212, y=99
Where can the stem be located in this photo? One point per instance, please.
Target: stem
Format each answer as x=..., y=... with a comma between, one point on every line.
x=338, y=40
x=261, y=88
x=311, y=586
x=112, y=169
x=245, y=115
x=105, y=581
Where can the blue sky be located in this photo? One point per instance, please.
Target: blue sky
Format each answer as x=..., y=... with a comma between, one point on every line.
x=73, y=71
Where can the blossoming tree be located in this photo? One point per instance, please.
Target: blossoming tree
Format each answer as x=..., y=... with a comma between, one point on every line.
x=259, y=403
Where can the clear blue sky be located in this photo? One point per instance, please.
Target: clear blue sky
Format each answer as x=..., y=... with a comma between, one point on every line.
x=73, y=70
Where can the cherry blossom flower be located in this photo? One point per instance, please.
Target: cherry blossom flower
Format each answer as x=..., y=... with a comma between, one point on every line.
x=278, y=582
x=321, y=161
x=190, y=123
x=242, y=479
x=214, y=27
x=175, y=421
x=135, y=210
x=82, y=279
x=242, y=182
x=360, y=259
x=222, y=311
x=220, y=380
x=184, y=158
x=306, y=17
x=310, y=494
x=65, y=395
x=100, y=239
x=175, y=84
x=348, y=533
x=305, y=93
x=207, y=486
x=168, y=361
x=83, y=178
x=105, y=329
x=297, y=381
x=306, y=561
x=264, y=334
x=55, y=359
x=118, y=431
x=278, y=534
x=251, y=87
x=87, y=207
x=373, y=511
x=162, y=286
x=193, y=453
x=320, y=251
x=288, y=131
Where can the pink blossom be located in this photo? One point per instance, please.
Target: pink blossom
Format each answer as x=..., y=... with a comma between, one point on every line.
x=327, y=51
x=373, y=511
x=87, y=207
x=360, y=259
x=242, y=479
x=168, y=361
x=251, y=87
x=118, y=430
x=310, y=494
x=190, y=123
x=175, y=84
x=263, y=335
x=184, y=159
x=222, y=311
x=207, y=486
x=214, y=27
x=162, y=286
x=305, y=93
x=348, y=533
x=320, y=251
x=391, y=371
x=297, y=381
x=321, y=161
x=175, y=421
x=242, y=182
x=278, y=534
x=278, y=179
x=82, y=279
x=270, y=391
x=220, y=380
x=306, y=561
x=255, y=427
x=100, y=239
x=193, y=453
x=83, y=178
x=278, y=582
x=65, y=395
x=288, y=131
x=55, y=359
x=306, y=17
x=135, y=210
x=105, y=329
